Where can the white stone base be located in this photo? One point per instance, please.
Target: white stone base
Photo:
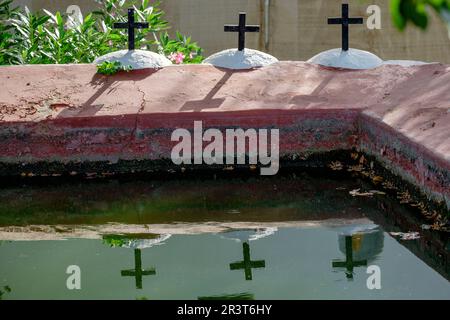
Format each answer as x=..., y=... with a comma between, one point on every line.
x=249, y=234
x=351, y=59
x=357, y=59
x=137, y=59
x=235, y=59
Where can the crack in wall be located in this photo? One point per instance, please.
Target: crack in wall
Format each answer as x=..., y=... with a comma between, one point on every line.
x=132, y=136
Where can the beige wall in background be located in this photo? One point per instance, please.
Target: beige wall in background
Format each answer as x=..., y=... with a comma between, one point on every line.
x=297, y=28
x=54, y=5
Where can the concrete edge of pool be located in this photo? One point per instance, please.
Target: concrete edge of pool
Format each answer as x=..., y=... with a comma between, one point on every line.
x=68, y=114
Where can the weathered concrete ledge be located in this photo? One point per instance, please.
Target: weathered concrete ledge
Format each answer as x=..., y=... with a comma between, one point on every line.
x=69, y=115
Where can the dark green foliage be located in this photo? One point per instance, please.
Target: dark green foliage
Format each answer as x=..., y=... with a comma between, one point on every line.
x=191, y=51
x=8, y=52
x=6, y=289
x=109, y=68
x=415, y=11
x=46, y=38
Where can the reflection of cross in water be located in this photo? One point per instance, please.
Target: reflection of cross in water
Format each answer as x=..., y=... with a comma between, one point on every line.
x=349, y=264
x=345, y=21
x=138, y=272
x=209, y=102
x=242, y=28
x=247, y=264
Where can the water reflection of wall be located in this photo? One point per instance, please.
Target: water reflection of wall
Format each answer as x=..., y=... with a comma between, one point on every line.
x=360, y=244
x=245, y=236
x=297, y=262
x=366, y=245
x=136, y=242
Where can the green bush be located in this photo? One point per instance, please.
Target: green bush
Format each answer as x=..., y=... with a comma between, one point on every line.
x=5, y=290
x=415, y=11
x=8, y=50
x=181, y=45
x=45, y=38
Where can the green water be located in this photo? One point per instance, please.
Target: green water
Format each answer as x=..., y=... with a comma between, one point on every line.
x=298, y=265
x=313, y=241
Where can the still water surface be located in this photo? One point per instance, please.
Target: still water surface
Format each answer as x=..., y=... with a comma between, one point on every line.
x=283, y=238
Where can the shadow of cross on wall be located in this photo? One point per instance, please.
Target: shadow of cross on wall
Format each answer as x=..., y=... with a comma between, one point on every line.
x=315, y=97
x=209, y=102
x=247, y=264
x=105, y=85
x=138, y=272
x=349, y=264
x=100, y=84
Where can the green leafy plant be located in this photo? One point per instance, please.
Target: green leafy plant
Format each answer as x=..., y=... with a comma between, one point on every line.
x=45, y=37
x=114, y=240
x=109, y=68
x=8, y=52
x=6, y=289
x=415, y=11
x=181, y=49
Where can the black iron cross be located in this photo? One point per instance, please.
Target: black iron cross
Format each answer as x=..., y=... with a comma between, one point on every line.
x=349, y=264
x=345, y=21
x=138, y=272
x=242, y=29
x=131, y=25
x=247, y=264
